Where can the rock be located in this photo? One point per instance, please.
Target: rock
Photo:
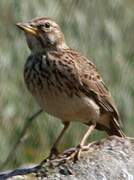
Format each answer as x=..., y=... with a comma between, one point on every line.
x=108, y=159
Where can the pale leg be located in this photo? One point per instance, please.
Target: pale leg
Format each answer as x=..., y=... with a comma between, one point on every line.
x=75, y=154
x=89, y=131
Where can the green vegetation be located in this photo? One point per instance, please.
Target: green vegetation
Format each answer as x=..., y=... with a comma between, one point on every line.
x=103, y=30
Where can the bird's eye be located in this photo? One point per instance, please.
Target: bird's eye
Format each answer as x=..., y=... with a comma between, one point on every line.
x=32, y=25
x=47, y=25
x=44, y=26
x=40, y=26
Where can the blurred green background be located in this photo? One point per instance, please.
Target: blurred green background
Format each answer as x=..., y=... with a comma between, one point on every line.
x=103, y=30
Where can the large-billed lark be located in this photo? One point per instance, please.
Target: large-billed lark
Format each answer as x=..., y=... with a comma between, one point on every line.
x=66, y=84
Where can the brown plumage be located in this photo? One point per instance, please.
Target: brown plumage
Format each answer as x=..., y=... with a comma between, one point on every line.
x=65, y=83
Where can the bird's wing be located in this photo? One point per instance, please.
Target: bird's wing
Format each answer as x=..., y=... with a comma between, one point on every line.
x=77, y=75
x=92, y=85
x=83, y=75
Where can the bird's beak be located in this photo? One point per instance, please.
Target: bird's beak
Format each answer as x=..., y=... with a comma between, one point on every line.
x=27, y=28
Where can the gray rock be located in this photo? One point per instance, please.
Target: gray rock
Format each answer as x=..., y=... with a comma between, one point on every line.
x=108, y=159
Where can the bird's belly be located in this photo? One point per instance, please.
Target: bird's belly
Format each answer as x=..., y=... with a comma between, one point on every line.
x=68, y=108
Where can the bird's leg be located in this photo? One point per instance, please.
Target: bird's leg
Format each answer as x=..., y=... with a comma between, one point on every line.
x=86, y=135
x=82, y=143
x=76, y=153
x=54, y=147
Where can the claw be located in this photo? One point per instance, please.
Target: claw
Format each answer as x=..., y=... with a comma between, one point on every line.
x=53, y=154
x=74, y=154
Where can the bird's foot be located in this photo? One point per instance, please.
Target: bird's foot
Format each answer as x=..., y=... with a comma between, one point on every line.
x=53, y=153
x=69, y=155
x=73, y=154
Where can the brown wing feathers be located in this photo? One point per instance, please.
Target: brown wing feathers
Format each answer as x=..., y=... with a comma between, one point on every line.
x=94, y=87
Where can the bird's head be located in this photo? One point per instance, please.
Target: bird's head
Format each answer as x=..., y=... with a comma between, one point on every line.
x=43, y=34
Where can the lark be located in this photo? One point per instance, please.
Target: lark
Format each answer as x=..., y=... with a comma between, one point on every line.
x=66, y=84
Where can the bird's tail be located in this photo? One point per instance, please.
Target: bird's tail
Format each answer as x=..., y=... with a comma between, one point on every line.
x=115, y=128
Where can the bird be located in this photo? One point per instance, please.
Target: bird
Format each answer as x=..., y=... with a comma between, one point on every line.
x=66, y=84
